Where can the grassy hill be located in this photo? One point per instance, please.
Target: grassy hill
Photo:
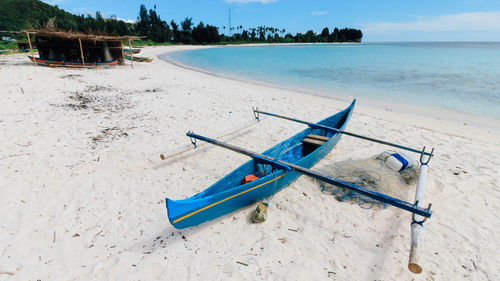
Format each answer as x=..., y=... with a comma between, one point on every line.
x=31, y=14
x=17, y=15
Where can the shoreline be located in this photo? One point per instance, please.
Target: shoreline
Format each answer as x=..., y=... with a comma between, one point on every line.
x=436, y=112
x=83, y=186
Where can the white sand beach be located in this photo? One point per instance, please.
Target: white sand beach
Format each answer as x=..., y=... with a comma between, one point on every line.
x=82, y=186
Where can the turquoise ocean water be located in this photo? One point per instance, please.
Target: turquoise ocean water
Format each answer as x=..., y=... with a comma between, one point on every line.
x=459, y=77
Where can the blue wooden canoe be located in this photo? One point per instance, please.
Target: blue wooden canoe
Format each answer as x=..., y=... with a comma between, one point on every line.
x=228, y=194
x=131, y=51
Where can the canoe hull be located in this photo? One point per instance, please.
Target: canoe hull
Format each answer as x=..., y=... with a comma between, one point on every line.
x=139, y=59
x=131, y=51
x=217, y=201
x=72, y=64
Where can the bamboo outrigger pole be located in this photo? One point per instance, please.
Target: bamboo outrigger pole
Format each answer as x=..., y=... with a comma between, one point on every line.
x=257, y=112
x=31, y=49
x=81, y=51
x=417, y=226
x=413, y=208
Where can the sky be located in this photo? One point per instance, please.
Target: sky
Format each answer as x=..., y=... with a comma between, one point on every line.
x=380, y=20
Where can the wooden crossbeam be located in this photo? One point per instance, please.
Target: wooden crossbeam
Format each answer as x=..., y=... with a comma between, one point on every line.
x=318, y=137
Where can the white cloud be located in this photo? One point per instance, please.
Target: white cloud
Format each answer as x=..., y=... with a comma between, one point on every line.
x=248, y=1
x=477, y=21
x=319, y=13
x=127, y=20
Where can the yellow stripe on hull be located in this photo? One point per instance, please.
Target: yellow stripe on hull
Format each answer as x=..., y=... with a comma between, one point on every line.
x=216, y=203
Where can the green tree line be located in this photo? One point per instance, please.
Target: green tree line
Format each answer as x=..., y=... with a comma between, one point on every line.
x=150, y=24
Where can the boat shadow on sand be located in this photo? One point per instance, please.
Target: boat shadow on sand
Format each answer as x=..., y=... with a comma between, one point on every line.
x=171, y=236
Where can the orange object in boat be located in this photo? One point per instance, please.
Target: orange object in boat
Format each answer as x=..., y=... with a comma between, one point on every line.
x=249, y=178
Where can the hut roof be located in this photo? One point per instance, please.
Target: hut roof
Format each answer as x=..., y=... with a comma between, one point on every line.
x=77, y=35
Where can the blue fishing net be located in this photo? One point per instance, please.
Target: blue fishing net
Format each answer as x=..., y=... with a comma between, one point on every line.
x=372, y=174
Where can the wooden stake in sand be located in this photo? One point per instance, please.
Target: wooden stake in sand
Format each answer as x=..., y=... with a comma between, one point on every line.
x=6, y=272
x=31, y=48
x=417, y=226
x=131, y=55
x=81, y=51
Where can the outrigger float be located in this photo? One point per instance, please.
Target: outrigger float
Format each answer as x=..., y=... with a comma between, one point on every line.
x=280, y=165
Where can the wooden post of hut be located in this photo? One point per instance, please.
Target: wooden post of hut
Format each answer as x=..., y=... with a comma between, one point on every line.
x=131, y=54
x=81, y=51
x=31, y=48
x=123, y=56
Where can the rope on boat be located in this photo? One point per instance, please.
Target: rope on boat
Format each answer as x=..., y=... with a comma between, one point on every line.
x=189, y=147
x=268, y=199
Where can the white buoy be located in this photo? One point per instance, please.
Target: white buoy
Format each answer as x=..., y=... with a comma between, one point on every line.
x=399, y=161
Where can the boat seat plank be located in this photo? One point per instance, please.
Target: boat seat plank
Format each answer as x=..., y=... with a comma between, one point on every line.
x=318, y=137
x=313, y=142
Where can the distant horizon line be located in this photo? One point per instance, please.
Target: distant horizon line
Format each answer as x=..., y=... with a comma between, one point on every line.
x=430, y=41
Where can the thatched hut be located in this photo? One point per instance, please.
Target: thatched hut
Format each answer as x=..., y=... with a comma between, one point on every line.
x=77, y=49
